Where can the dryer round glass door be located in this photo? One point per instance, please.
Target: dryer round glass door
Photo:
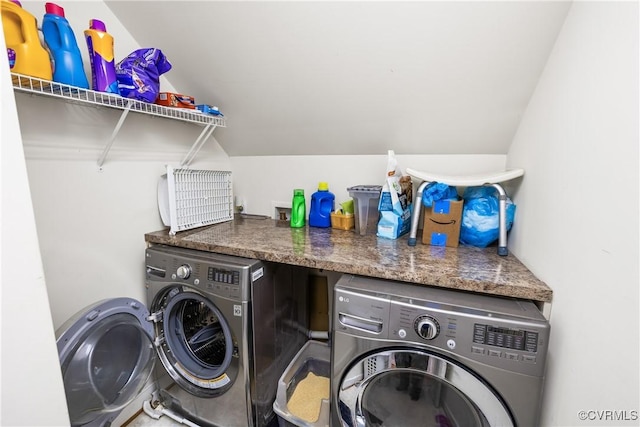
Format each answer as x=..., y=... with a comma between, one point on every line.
x=106, y=356
x=416, y=388
x=194, y=341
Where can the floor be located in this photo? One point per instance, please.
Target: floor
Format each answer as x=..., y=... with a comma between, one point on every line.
x=164, y=421
x=145, y=420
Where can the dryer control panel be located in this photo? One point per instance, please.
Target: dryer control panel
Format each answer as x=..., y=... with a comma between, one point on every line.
x=502, y=332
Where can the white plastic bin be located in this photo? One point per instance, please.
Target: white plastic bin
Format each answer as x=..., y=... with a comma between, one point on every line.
x=313, y=357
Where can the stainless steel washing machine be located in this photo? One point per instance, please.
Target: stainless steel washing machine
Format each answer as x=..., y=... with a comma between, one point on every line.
x=224, y=329
x=405, y=355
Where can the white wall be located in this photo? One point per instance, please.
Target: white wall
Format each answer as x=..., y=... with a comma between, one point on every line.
x=356, y=77
x=32, y=393
x=578, y=211
x=261, y=180
x=91, y=221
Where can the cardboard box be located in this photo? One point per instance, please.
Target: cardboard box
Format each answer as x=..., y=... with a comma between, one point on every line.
x=169, y=99
x=441, y=225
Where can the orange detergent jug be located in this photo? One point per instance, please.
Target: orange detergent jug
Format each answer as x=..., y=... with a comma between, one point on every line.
x=26, y=54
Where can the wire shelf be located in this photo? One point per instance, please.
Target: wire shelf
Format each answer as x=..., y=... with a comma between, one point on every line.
x=78, y=95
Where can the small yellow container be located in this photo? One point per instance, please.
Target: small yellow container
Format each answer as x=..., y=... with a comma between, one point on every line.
x=342, y=221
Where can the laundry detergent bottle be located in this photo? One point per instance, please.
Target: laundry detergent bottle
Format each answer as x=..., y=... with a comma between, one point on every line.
x=103, y=67
x=63, y=47
x=322, y=204
x=26, y=54
x=298, y=209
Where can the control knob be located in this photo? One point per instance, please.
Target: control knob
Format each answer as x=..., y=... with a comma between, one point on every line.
x=184, y=271
x=427, y=327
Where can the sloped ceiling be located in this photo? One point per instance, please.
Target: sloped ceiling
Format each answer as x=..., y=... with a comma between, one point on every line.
x=305, y=78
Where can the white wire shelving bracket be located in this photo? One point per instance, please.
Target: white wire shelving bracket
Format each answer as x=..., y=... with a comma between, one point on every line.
x=82, y=96
x=204, y=135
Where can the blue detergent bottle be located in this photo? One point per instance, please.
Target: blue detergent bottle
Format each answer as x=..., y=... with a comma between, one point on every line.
x=63, y=48
x=322, y=204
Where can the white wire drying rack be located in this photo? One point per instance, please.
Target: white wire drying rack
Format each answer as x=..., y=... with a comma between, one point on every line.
x=190, y=198
x=72, y=94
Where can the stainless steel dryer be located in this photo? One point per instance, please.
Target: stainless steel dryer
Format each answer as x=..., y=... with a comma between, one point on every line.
x=406, y=355
x=212, y=324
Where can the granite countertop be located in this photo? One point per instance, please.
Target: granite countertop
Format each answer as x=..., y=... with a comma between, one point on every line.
x=466, y=268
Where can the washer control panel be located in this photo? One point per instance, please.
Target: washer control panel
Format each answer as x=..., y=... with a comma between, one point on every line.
x=507, y=338
x=217, y=274
x=221, y=281
x=184, y=271
x=222, y=275
x=426, y=327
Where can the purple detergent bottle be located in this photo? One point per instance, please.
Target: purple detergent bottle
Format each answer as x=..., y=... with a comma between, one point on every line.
x=103, y=67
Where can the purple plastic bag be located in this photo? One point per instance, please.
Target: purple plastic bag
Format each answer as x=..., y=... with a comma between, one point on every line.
x=139, y=74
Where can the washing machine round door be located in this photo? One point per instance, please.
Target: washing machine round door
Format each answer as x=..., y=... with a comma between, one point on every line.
x=416, y=388
x=106, y=356
x=194, y=341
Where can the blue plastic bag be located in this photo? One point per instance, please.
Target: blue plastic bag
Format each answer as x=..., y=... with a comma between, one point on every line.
x=480, y=216
x=436, y=191
x=139, y=74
